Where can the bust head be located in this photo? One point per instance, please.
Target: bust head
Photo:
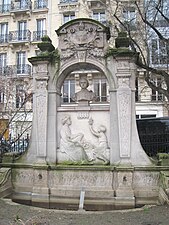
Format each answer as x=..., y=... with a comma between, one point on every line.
x=83, y=82
x=66, y=120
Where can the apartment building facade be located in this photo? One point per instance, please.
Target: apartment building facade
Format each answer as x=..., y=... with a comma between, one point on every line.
x=22, y=25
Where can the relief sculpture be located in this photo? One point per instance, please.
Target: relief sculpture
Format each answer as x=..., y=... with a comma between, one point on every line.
x=101, y=151
x=71, y=145
x=82, y=40
x=76, y=148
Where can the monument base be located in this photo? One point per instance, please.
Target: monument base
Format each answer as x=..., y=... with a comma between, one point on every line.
x=105, y=187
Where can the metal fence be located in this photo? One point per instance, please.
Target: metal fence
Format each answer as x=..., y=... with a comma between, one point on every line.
x=154, y=135
x=14, y=145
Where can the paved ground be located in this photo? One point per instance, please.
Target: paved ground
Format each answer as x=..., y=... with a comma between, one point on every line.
x=16, y=214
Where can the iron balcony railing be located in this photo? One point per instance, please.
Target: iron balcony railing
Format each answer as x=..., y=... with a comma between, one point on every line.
x=68, y=1
x=20, y=36
x=5, y=8
x=7, y=71
x=41, y=4
x=21, y=5
x=3, y=38
x=3, y=70
x=13, y=71
x=157, y=97
x=23, y=69
x=37, y=35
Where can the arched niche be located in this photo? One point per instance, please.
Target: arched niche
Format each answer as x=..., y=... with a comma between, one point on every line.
x=91, y=65
x=94, y=138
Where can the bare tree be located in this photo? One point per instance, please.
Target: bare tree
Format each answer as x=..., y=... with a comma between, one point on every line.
x=15, y=111
x=147, y=25
x=150, y=37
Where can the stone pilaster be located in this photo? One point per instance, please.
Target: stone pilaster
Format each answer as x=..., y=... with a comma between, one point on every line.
x=40, y=106
x=124, y=107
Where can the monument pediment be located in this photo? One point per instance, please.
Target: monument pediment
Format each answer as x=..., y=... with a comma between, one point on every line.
x=81, y=39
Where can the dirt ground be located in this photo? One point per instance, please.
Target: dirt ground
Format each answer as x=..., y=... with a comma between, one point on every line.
x=16, y=214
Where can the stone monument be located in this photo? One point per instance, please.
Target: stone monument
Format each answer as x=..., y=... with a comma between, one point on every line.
x=85, y=146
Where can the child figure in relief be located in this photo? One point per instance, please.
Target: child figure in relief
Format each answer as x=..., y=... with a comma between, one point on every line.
x=102, y=150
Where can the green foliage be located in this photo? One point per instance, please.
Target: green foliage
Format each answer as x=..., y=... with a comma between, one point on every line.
x=163, y=159
x=146, y=209
x=120, y=52
x=52, y=57
x=46, y=47
x=163, y=156
x=46, y=38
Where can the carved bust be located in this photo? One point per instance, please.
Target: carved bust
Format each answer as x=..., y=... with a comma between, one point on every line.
x=84, y=95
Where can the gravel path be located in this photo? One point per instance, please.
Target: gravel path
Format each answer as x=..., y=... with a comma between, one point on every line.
x=16, y=214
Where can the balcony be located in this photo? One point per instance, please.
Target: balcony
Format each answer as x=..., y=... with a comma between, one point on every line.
x=18, y=70
x=40, y=4
x=7, y=71
x=68, y=5
x=3, y=70
x=24, y=69
x=37, y=35
x=22, y=6
x=18, y=37
x=96, y=4
x=5, y=8
x=68, y=1
x=3, y=38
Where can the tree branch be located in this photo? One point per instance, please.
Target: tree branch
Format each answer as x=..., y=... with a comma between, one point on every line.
x=159, y=34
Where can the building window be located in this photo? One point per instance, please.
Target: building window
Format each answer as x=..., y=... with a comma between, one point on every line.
x=3, y=32
x=129, y=17
x=6, y=6
x=23, y=4
x=100, y=89
x=3, y=58
x=21, y=62
x=22, y=34
x=20, y=96
x=154, y=16
x=156, y=96
x=68, y=90
x=143, y=116
x=68, y=17
x=40, y=4
x=41, y=26
x=158, y=52
x=99, y=16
